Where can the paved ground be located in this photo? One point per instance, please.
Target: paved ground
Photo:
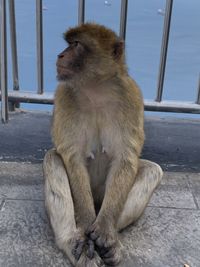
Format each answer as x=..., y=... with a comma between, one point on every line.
x=168, y=233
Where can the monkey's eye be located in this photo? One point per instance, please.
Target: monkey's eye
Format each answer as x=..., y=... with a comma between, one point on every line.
x=74, y=44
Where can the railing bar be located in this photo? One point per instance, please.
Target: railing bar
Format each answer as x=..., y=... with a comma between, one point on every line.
x=29, y=97
x=164, y=48
x=13, y=44
x=81, y=12
x=123, y=18
x=3, y=63
x=39, y=29
x=171, y=106
x=165, y=106
x=198, y=92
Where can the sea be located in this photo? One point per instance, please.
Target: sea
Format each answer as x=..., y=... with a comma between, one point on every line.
x=143, y=43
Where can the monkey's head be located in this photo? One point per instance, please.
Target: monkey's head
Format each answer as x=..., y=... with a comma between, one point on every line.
x=94, y=53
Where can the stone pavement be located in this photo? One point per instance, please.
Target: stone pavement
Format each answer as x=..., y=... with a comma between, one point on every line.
x=168, y=233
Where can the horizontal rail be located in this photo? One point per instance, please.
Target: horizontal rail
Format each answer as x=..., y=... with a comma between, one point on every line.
x=164, y=106
x=29, y=97
x=172, y=106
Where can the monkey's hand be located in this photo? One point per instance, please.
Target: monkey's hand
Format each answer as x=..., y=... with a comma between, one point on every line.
x=103, y=234
x=81, y=242
x=84, y=261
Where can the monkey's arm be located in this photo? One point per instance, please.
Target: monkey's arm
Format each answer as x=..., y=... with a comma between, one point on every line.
x=83, y=201
x=81, y=190
x=119, y=182
x=66, y=131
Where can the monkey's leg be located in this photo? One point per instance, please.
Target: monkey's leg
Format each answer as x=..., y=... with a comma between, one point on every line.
x=103, y=231
x=60, y=209
x=59, y=202
x=148, y=177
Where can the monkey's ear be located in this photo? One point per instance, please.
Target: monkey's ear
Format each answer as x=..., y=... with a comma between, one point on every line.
x=118, y=49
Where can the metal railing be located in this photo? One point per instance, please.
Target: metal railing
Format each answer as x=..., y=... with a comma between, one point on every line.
x=17, y=96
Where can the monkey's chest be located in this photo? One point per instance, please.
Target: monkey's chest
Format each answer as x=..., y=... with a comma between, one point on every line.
x=97, y=159
x=100, y=140
x=98, y=163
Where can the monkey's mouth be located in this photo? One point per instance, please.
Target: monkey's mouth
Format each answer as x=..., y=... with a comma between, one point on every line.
x=63, y=73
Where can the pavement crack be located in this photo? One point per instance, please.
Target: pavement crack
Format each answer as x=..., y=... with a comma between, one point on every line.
x=3, y=202
x=174, y=208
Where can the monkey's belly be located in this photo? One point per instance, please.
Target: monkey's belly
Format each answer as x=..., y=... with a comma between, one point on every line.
x=98, y=167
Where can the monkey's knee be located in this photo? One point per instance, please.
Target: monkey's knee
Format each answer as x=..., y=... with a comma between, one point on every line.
x=151, y=171
x=148, y=178
x=57, y=188
x=58, y=202
x=51, y=161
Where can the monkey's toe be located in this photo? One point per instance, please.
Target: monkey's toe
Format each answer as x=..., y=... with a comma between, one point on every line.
x=102, y=236
x=90, y=249
x=84, y=261
x=107, y=253
x=78, y=248
x=112, y=257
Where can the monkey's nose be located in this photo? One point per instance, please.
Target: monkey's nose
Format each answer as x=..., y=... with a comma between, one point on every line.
x=61, y=55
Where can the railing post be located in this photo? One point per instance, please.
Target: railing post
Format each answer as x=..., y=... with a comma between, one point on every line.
x=81, y=12
x=198, y=92
x=123, y=18
x=3, y=62
x=164, y=48
x=13, y=41
x=39, y=29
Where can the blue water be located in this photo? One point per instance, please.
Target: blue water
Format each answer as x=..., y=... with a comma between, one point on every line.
x=144, y=34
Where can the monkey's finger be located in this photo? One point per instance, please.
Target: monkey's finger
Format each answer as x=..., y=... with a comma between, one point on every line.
x=112, y=261
x=93, y=235
x=102, y=251
x=90, y=251
x=110, y=253
x=101, y=242
x=77, y=250
x=91, y=232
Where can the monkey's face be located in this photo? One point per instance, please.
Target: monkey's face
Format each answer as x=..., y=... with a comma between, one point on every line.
x=94, y=53
x=70, y=61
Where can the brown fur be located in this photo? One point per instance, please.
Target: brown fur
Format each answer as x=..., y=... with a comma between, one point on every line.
x=98, y=132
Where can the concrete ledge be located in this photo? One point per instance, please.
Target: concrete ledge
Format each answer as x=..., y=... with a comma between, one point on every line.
x=173, y=143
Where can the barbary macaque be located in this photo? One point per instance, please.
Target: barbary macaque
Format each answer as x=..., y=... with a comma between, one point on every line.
x=95, y=182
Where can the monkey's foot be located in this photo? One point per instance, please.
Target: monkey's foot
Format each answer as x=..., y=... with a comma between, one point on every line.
x=103, y=235
x=81, y=243
x=84, y=261
x=110, y=256
x=105, y=239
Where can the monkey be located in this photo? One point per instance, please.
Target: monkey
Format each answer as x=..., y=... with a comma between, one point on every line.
x=96, y=184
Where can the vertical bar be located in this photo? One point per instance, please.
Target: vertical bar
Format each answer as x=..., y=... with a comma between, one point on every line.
x=164, y=48
x=13, y=45
x=3, y=63
x=39, y=39
x=198, y=92
x=123, y=18
x=81, y=12
x=13, y=40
